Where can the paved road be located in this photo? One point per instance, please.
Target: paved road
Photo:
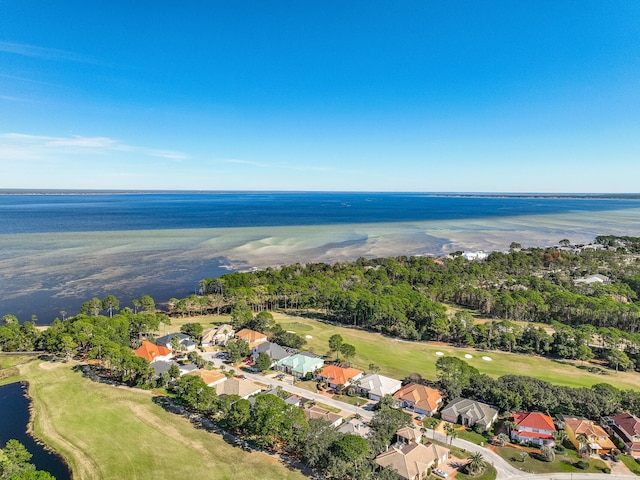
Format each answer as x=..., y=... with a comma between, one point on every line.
x=287, y=386
x=505, y=470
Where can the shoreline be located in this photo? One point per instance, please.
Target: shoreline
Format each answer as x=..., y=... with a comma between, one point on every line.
x=48, y=273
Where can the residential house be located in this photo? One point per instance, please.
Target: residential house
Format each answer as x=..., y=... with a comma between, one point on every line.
x=595, y=440
x=235, y=386
x=217, y=336
x=335, y=375
x=377, y=386
x=407, y=435
x=477, y=255
x=184, y=341
x=275, y=351
x=251, y=337
x=533, y=427
x=418, y=398
x=469, y=413
x=413, y=461
x=289, y=398
x=299, y=365
x=314, y=411
x=185, y=368
x=591, y=279
x=355, y=426
x=627, y=428
x=210, y=377
x=152, y=352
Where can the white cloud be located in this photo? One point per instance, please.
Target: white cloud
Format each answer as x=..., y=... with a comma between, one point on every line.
x=39, y=146
x=42, y=52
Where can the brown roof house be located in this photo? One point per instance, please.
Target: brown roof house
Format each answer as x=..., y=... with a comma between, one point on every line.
x=418, y=398
x=314, y=411
x=410, y=459
x=587, y=436
x=217, y=336
x=251, y=337
x=234, y=386
x=210, y=377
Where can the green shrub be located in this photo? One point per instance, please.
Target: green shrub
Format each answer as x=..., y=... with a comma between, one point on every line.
x=581, y=464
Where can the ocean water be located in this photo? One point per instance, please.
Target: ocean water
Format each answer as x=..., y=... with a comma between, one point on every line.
x=114, y=212
x=58, y=250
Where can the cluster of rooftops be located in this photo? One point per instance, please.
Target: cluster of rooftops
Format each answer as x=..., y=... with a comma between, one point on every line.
x=408, y=456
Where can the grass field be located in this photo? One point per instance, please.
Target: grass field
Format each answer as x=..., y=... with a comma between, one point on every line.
x=397, y=358
x=108, y=432
x=631, y=464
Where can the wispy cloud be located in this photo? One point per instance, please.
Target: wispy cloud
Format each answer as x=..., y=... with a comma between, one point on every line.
x=42, y=52
x=36, y=146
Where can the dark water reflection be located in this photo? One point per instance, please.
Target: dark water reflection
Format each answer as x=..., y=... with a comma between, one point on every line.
x=14, y=418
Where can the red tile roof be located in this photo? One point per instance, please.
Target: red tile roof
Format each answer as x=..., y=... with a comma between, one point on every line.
x=527, y=434
x=150, y=351
x=535, y=420
x=339, y=375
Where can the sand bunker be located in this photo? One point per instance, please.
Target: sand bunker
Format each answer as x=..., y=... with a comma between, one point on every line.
x=439, y=354
x=308, y=336
x=468, y=355
x=488, y=359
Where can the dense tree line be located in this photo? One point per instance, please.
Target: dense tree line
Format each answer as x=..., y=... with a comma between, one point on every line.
x=514, y=392
x=404, y=297
x=93, y=336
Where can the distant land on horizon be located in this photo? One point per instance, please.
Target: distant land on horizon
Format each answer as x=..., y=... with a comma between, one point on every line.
x=576, y=195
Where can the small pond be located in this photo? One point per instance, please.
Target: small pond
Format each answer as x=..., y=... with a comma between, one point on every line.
x=14, y=418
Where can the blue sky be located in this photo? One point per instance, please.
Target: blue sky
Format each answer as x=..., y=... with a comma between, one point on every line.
x=485, y=96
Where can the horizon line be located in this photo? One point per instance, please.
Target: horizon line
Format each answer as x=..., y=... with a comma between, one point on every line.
x=97, y=191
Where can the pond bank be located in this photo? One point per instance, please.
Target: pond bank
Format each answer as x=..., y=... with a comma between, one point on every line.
x=15, y=423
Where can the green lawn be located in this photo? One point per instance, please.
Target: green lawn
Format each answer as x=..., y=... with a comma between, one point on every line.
x=473, y=437
x=562, y=463
x=397, y=358
x=631, y=464
x=108, y=432
x=490, y=473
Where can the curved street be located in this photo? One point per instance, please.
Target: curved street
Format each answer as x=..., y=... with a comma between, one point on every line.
x=505, y=471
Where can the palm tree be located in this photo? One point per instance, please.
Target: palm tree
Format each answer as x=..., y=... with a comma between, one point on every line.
x=476, y=463
x=547, y=453
x=453, y=435
x=561, y=436
x=510, y=425
x=448, y=430
x=583, y=442
x=502, y=439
